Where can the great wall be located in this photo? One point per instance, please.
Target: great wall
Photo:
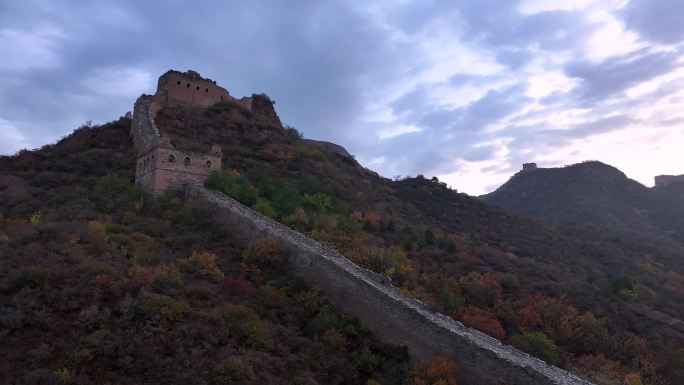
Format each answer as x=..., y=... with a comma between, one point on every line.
x=359, y=292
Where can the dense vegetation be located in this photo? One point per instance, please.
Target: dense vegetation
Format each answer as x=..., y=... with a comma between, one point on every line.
x=573, y=297
x=104, y=284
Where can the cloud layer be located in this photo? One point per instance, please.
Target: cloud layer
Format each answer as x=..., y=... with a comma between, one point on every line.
x=465, y=90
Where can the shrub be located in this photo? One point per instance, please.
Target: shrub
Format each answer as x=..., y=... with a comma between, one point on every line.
x=438, y=371
x=336, y=339
x=94, y=268
x=264, y=207
x=167, y=276
x=247, y=324
x=318, y=201
x=484, y=321
x=102, y=342
x=233, y=185
x=233, y=370
x=117, y=193
x=237, y=287
x=298, y=219
x=161, y=309
x=365, y=361
x=201, y=265
x=96, y=228
x=265, y=253
x=32, y=277
x=537, y=344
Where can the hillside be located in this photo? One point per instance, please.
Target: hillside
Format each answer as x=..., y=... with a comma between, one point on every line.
x=101, y=283
x=563, y=293
x=475, y=262
x=600, y=197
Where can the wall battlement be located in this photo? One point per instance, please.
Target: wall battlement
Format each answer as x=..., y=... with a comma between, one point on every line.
x=664, y=180
x=529, y=167
x=371, y=297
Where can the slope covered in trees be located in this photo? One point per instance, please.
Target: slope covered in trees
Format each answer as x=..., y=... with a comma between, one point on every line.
x=564, y=294
x=101, y=283
x=568, y=295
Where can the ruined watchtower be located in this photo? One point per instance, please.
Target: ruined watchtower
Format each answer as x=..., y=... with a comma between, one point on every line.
x=529, y=167
x=159, y=161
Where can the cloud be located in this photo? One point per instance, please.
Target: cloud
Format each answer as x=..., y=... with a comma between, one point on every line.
x=461, y=89
x=117, y=82
x=656, y=20
x=615, y=75
x=23, y=50
x=11, y=139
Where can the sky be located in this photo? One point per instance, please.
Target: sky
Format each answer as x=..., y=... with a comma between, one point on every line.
x=463, y=90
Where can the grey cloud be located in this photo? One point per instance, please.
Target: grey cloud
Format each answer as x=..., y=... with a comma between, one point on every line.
x=494, y=106
x=656, y=20
x=309, y=56
x=449, y=137
x=325, y=62
x=614, y=75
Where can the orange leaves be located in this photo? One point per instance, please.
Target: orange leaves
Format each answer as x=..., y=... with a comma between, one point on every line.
x=481, y=289
x=265, y=253
x=438, y=371
x=484, y=321
x=370, y=220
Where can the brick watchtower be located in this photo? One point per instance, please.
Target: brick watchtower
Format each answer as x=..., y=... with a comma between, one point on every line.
x=159, y=162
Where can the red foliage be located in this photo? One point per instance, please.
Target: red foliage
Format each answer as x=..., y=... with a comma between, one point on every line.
x=481, y=289
x=237, y=287
x=484, y=321
x=439, y=371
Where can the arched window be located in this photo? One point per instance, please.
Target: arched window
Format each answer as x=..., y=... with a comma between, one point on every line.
x=208, y=164
x=206, y=90
x=197, y=88
x=178, y=82
x=188, y=85
x=186, y=161
x=172, y=159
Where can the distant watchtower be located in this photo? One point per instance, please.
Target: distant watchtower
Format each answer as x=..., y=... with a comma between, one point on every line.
x=665, y=180
x=529, y=167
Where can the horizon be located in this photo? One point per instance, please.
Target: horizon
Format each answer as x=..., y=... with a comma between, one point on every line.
x=411, y=88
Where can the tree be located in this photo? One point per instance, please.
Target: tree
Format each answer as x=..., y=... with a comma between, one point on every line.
x=537, y=344
x=438, y=371
x=484, y=321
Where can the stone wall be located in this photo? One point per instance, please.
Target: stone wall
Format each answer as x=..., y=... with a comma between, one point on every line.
x=664, y=180
x=262, y=107
x=167, y=165
x=143, y=130
x=176, y=88
x=383, y=309
x=529, y=167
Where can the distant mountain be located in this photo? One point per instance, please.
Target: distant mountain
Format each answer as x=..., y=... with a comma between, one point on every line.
x=599, y=197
